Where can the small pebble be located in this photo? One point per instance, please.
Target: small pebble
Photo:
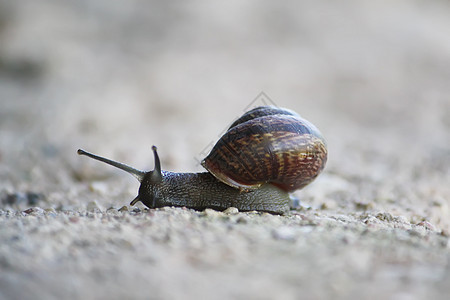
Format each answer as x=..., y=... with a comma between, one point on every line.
x=427, y=225
x=34, y=211
x=50, y=212
x=231, y=211
x=123, y=208
x=112, y=211
x=401, y=219
x=385, y=216
x=93, y=207
x=208, y=212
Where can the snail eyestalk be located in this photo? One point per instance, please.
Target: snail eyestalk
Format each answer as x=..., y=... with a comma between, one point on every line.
x=136, y=173
x=156, y=173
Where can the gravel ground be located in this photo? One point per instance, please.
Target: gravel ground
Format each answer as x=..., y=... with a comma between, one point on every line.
x=116, y=77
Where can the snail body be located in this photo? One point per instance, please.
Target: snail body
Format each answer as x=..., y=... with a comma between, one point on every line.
x=265, y=154
x=202, y=190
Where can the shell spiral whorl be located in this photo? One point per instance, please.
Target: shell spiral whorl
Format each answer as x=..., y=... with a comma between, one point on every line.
x=268, y=145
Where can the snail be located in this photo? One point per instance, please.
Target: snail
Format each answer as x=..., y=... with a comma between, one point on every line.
x=265, y=154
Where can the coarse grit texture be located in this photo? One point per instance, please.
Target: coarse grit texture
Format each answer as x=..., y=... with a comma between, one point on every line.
x=116, y=77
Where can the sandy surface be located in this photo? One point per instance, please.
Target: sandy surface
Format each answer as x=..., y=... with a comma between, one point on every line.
x=115, y=78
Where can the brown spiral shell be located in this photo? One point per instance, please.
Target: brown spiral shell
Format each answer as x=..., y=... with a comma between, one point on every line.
x=268, y=145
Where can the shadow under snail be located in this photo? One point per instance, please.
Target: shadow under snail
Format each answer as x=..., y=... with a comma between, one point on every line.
x=265, y=154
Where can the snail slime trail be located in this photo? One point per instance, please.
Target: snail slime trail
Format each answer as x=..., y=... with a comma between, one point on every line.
x=264, y=155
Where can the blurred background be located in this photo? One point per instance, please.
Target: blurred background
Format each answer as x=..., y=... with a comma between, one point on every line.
x=115, y=77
